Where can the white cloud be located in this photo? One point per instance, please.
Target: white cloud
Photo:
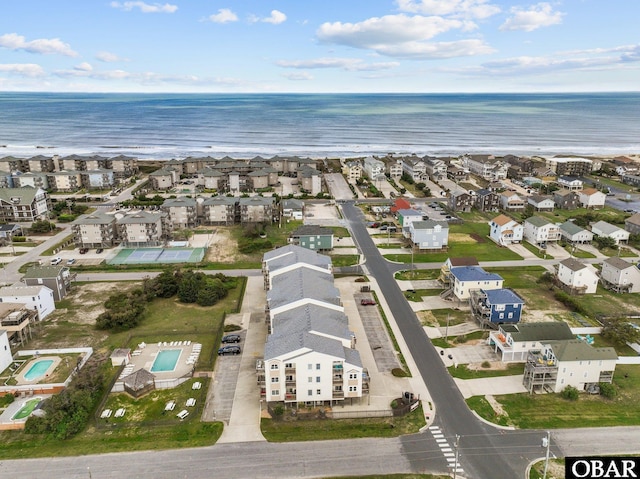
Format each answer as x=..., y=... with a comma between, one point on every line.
x=298, y=76
x=465, y=8
x=537, y=16
x=349, y=64
x=403, y=36
x=109, y=57
x=145, y=7
x=578, y=60
x=46, y=46
x=84, y=67
x=22, y=69
x=224, y=15
x=276, y=17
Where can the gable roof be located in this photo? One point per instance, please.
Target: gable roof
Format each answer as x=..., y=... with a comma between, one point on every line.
x=503, y=296
x=543, y=331
x=312, y=230
x=43, y=271
x=577, y=350
x=474, y=273
x=463, y=261
x=571, y=228
x=502, y=220
x=606, y=228
x=618, y=263
x=633, y=219
x=291, y=254
x=429, y=224
x=573, y=264
x=538, y=221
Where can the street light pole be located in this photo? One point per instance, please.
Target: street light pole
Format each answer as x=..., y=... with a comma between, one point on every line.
x=546, y=440
x=446, y=331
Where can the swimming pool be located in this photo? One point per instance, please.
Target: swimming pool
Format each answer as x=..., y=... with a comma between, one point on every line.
x=38, y=369
x=166, y=360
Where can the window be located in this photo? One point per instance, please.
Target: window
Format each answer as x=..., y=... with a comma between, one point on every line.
x=318, y=366
x=585, y=374
x=318, y=391
x=501, y=315
x=289, y=377
x=353, y=388
x=274, y=366
x=275, y=380
x=353, y=376
x=310, y=379
x=317, y=379
x=275, y=392
x=288, y=365
x=309, y=392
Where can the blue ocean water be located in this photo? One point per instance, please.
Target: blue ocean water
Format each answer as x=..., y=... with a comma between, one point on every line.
x=163, y=126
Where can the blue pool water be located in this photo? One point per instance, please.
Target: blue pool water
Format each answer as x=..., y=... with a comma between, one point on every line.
x=166, y=360
x=38, y=369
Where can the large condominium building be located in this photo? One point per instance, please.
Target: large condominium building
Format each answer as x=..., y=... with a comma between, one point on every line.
x=23, y=204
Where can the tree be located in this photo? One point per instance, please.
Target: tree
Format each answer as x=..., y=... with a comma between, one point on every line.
x=620, y=332
x=189, y=286
x=570, y=393
x=603, y=242
x=42, y=226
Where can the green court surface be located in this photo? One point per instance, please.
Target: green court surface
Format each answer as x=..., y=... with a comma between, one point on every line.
x=157, y=255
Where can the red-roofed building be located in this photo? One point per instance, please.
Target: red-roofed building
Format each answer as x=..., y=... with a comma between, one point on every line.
x=400, y=204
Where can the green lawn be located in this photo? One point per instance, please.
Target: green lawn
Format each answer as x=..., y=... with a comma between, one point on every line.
x=339, y=260
x=463, y=372
x=550, y=411
x=487, y=251
x=540, y=253
x=418, y=274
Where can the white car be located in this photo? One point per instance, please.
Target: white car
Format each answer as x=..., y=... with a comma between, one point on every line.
x=56, y=261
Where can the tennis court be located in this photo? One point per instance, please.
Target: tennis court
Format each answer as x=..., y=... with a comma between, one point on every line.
x=157, y=255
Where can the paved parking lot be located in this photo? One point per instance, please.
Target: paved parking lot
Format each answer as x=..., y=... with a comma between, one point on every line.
x=225, y=380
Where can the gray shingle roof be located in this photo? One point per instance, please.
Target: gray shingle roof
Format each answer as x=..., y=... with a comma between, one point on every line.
x=544, y=331
x=573, y=264
x=577, y=350
x=140, y=217
x=538, y=221
x=302, y=283
x=571, y=228
x=96, y=218
x=312, y=230
x=43, y=271
x=618, y=263
x=312, y=318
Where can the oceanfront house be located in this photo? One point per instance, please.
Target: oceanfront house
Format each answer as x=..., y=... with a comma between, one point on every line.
x=288, y=258
x=23, y=205
x=124, y=166
x=574, y=234
x=512, y=201
x=486, y=200
x=607, y=230
x=569, y=166
x=182, y=212
x=457, y=174
x=352, y=170
x=394, y=169
x=485, y=166
x=374, y=169
x=512, y=342
x=505, y=231
x=95, y=230
x=591, y=198
x=576, y=277
x=164, y=179
x=57, y=278
x=38, y=298
x=292, y=208
x=309, y=355
x=632, y=224
x=468, y=278
x=620, y=276
x=429, y=235
x=571, y=362
x=539, y=231
x=570, y=183
x=461, y=200
x=566, y=199
x=314, y=237
x=541, y=203
x=435, y=168
x=143, y=228
x=496, y=306
x=415, y=168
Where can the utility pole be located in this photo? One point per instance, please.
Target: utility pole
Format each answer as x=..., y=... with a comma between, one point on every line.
x=446, y=331
x=546, y=442
x=455, y=464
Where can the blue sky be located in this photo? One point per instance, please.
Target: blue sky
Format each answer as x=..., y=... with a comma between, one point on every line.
x=319, y=46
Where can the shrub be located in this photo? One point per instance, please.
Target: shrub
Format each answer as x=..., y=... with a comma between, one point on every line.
x=570, y=393
x=607, y=390
x=399, y=373
x=486, y=364
x=461, y=339
x=19, y=239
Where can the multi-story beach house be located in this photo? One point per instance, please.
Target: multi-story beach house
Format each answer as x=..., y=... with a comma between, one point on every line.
x=574, y=234
x=485, y=166
x=429, y=234
x=512, y=342
x=36, y=297
x=632, y=224
x=57, y=278
x=394, y=169
x=352, y=170
x=569, y=183
x=291, y=257
x=539, y=231
x=124, y=166
x=607, y=230
x=620, y=276
x=541, y=202
x=314, y=237
x=461, y=200
x=591, y=198
x=23, y=204
x=566, y=199
x=219, y=210
x=496, y=306
x=512, y=201
x=464, y=279
x=40, y=164
x=164, y=178
x=144, y=228
x=374, y=169
x=435, y=168
x=65, y=181
x=31, y=180
x=576, y=277
x=505, y=231
x=487, y=200
x=310, y=180
x=94, y=230
x=415, y=168
x=569, y=166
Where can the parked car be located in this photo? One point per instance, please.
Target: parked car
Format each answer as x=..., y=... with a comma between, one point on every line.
x=99, y=250
x=367, y=302
x=228, y=350
x=373, y=224
x=56, y=261
x=231, y=338
x=84, y=250
x=71, y=261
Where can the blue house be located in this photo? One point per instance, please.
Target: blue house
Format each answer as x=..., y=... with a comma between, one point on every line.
x=497, y=306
